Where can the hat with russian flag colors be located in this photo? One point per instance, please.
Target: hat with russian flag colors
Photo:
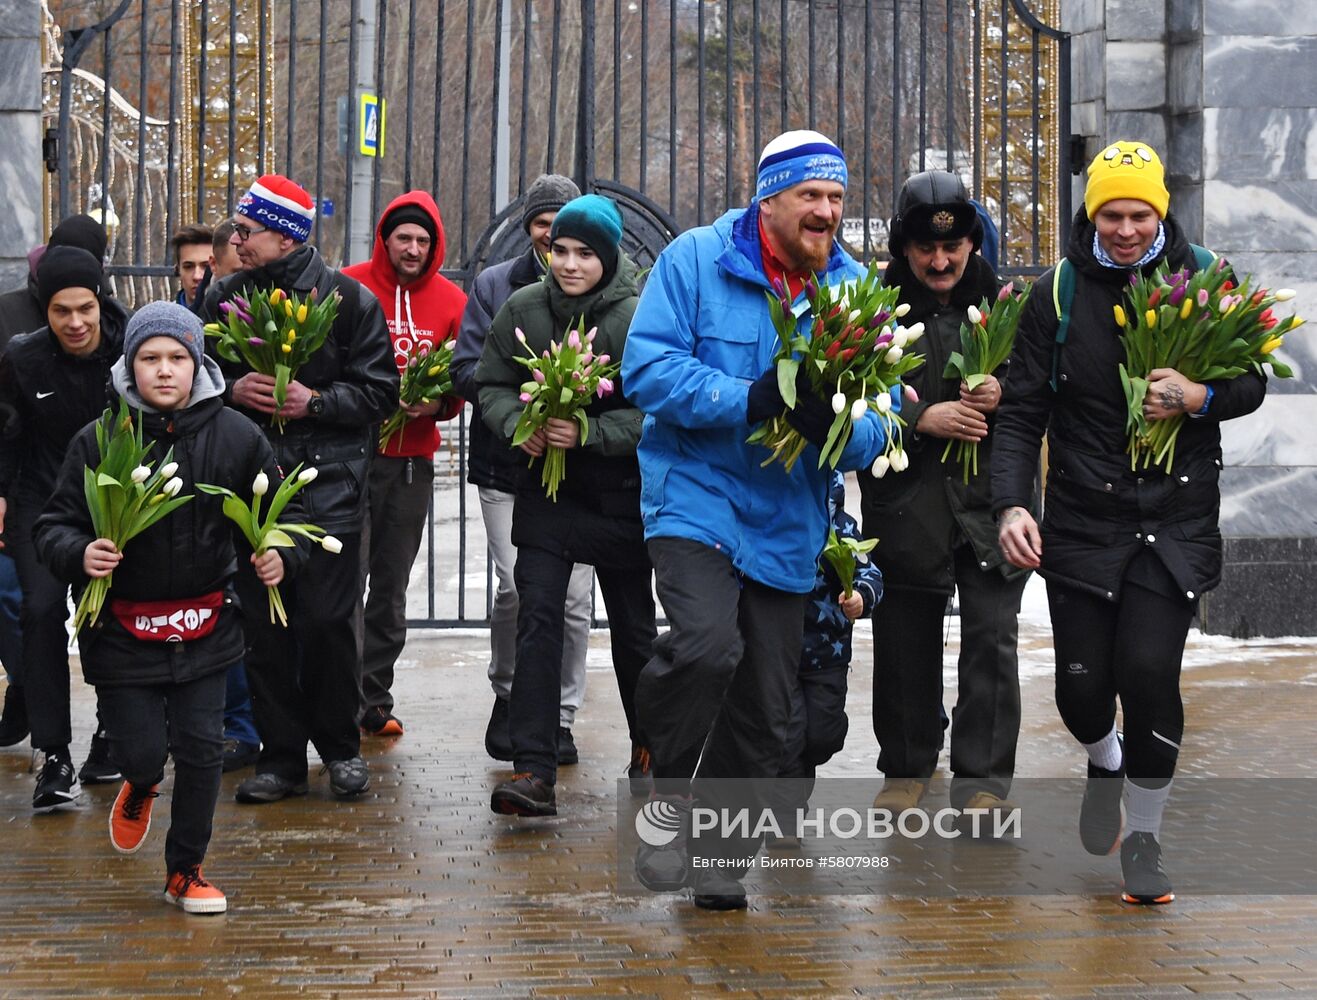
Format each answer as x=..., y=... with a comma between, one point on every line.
x=275, y=201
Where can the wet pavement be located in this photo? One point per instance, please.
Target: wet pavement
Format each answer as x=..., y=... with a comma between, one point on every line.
x=417, y=890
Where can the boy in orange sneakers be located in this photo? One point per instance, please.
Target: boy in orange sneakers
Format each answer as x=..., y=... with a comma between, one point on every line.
x=162, y=645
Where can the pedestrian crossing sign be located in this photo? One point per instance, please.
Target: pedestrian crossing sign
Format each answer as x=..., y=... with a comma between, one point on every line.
x=372, y=125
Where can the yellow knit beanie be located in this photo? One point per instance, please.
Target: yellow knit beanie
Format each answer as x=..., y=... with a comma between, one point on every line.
x=1126, y=169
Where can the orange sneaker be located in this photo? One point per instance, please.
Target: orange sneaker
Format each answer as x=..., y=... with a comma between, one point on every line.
x=130, y=819
x=193, y=893
x=379, y=722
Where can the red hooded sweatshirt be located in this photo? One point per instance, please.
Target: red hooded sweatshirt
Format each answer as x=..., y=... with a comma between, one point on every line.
x=428, y=311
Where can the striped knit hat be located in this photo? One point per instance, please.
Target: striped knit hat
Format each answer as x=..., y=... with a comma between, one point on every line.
x=795, y=157
x=277, y=202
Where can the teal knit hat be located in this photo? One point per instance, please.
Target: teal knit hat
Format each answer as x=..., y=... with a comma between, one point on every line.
x=596, y=222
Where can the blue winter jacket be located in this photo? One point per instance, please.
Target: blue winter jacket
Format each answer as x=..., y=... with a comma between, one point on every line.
x=701, y=334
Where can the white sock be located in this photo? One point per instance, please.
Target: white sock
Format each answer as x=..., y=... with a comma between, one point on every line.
x=1106, y=753
x=1144, y=808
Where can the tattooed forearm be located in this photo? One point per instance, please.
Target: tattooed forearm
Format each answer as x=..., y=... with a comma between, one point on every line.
x=1010, y=515
x=1172, y=397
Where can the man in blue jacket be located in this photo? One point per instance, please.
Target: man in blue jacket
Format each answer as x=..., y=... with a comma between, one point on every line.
x=734, y=543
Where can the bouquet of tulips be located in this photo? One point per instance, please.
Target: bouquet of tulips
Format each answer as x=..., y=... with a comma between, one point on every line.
x=425, y=379
x=853, y=353
x=274, y=334
x=985, y=344
x=268, y=532
x=1204, y=327
x=843, y=555
x=125, y=496
x=563, y=380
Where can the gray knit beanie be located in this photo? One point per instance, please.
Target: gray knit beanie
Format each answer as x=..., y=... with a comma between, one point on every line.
x=548, y=193
x=164, y=319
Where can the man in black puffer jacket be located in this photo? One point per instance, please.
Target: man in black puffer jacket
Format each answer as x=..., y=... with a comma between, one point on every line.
x=936, y=531
x=53, y=382
x=1126, y=553
x=306, y=679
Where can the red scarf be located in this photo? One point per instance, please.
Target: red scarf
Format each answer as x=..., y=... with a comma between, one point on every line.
x=774, y=268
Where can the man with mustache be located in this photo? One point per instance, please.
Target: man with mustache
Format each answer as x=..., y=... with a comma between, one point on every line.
x=938, y=534
x=734, y=542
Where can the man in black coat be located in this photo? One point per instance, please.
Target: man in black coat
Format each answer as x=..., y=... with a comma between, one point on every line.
x=306, y=679
x=936, y=531
x=53, y=381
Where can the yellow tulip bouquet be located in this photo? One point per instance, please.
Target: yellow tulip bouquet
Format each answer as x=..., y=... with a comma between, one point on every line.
x=274, y=334
x=1204, y=327
x=425, y=379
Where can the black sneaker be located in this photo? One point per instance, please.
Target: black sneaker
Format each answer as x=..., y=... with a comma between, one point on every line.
x=260, y=788
x=663, y=865
x=498, y=739
x=716, y=890
x=567, y=752
x=524, y=795
x=1146, y=882
x=1102, y=815
x=13, y=723
x=348, y=777
x=638, y=774
x=57, y=786
x=380, y=722
x=238, y=754
x=98, y=768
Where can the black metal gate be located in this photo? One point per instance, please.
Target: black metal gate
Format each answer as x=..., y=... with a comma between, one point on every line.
x=161, y=114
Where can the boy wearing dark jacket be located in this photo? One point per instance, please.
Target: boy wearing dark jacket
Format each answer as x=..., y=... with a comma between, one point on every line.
x=161, y=686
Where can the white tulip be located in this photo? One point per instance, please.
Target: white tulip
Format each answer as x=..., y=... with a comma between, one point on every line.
x=306, y=475
x=883, y=402
x=900, y=461
x=902, y=309
x=331, y=544
x=880, y=466
x=838, y=402
x=168, y=471
x=854, y=315
x=913, y=333
x=858, y=409
x=141, y=474
x=1285, y=294
x=261, y=484
x=172, y=488
x=975, y=316
x=893, y=355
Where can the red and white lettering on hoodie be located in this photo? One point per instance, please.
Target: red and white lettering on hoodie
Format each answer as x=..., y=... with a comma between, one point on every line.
x=428, y=311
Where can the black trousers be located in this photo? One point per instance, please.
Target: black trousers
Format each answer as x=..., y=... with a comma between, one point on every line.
x=306, y=679
x=816, y=732
x=541, y=578
x=1130, y=649
x=43, y=669
x=186, y=721
x=400, y=491
x=717, y=692
x=907, y=689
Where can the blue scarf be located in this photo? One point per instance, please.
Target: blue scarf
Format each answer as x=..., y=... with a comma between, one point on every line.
x=1155, y=251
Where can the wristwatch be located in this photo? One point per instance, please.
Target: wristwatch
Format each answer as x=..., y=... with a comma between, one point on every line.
x=315, y=406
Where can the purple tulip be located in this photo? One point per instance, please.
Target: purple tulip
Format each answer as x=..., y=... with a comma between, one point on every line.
x=605, y=387
x=256, y=341
x=1177, y=294
x=242, y=303
x=1134, y=278
x=883, y=340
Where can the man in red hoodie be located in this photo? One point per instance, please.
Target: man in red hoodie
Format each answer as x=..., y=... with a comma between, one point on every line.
x=423, y=308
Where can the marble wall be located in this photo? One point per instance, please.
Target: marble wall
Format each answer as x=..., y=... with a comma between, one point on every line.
x=1226, y=91
x=20, y=124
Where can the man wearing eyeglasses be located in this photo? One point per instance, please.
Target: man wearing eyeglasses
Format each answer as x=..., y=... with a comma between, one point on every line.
x=306, y=679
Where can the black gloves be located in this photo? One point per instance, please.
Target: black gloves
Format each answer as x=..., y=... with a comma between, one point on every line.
x=812, y=418
x=765, y=399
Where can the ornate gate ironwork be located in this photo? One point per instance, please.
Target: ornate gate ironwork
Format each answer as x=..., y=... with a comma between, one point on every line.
x=164, y=111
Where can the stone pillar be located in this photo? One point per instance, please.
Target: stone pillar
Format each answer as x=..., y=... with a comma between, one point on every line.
x=20, y=123
x=1224, y=89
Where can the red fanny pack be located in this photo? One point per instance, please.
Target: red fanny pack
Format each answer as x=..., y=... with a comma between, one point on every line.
x=178, y=620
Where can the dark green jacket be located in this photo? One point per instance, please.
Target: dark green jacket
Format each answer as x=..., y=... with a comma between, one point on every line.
x=920, y=515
